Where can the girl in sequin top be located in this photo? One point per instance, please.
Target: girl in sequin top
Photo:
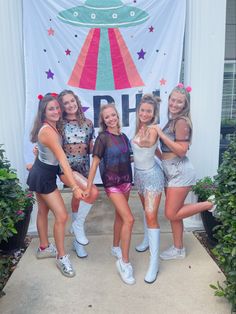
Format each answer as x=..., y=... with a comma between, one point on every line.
x=77, y=135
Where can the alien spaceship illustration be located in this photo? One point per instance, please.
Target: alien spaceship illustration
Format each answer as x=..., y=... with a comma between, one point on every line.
x=104, y=62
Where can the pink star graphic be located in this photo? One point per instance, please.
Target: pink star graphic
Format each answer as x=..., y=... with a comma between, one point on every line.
x=151, y=29
x=51, y=32
x=163, y=81
x=68, y=51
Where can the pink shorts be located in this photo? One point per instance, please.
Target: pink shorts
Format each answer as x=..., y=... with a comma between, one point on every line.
x=122, y=188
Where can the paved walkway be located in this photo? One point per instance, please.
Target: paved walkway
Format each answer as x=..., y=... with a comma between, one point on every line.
x=182, y=287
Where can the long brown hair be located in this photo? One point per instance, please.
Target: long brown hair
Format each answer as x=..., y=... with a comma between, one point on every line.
x=79, y=114
x=40, y=116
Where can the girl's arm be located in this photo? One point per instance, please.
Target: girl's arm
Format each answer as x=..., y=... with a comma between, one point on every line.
x=49, y=138
x=181, y=145
x=92, y=172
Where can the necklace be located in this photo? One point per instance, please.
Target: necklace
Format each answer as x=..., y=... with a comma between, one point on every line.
x=123, y=147
x=53, y=127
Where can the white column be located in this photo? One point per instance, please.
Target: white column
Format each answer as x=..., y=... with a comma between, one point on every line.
x=204, y=68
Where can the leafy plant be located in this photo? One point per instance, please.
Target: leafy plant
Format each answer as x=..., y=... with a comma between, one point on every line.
x=225, y=250
x=14, y=200
x=204, y=188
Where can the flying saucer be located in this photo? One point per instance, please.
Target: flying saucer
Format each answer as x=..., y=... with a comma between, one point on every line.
x=104, y=62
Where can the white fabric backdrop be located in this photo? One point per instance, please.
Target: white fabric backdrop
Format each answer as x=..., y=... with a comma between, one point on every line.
x=52, y=49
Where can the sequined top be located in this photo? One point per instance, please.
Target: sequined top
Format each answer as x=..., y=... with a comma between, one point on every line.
x=183, y=130
x=114, y=152
x=76, y=144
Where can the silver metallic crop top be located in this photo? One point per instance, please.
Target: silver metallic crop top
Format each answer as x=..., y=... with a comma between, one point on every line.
x=46, y=155
x=170, y=132
x=144, y=157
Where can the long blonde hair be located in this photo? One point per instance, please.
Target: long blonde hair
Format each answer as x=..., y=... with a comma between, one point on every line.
x=151, y=100
x=102, y=124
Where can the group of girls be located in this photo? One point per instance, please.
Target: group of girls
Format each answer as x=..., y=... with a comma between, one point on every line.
x=63, y=148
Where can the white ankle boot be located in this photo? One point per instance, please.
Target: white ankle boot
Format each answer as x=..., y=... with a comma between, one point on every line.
x=78, y=224
x=144, y=245
x=154, y=244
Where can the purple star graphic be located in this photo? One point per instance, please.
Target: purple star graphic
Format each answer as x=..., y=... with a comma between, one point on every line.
x=85, y=108
x=151, y=29
x=141, y=54
x=50, y=74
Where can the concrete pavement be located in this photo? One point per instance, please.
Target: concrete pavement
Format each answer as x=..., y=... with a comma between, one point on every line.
x=182, y=286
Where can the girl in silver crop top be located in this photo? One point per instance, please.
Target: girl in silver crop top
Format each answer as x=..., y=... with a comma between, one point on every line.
x=42, y=180
x=179, y=173
x=148, y=178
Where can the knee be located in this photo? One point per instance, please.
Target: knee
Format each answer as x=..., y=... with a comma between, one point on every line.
x=169, y=215
x=130, y=221
x=62, y=218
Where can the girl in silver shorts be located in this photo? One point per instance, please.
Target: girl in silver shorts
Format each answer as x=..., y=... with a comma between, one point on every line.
x=179, y=173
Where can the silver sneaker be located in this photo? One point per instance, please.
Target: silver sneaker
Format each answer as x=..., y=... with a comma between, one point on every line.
x=79, y=249
x=50, y=251
x=173, y=253
x=126, y=272
x=116, y=251
x=64, y=265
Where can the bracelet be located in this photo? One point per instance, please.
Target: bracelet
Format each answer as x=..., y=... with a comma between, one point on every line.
x=74, y=188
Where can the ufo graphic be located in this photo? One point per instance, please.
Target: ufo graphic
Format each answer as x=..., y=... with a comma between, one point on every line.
x=104, y=62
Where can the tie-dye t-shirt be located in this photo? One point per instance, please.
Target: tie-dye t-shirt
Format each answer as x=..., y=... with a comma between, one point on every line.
x=115, y=153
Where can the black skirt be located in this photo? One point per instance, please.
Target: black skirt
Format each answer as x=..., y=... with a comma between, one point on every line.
x=42, y=177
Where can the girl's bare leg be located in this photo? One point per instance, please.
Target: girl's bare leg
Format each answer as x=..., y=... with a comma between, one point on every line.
x=121, y=205
x=118, y=225
x=42, y=221
x=55, y=202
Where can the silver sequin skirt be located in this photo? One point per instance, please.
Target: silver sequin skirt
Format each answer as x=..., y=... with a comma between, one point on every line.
x=151, y=180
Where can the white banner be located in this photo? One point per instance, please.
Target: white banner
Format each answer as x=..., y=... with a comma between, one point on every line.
x=103, y=50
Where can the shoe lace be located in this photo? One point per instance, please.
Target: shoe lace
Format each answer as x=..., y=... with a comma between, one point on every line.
x=66, y=262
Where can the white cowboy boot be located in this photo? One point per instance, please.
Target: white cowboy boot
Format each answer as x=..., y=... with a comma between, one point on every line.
x=144, y=245
x=73, y=217
x=154, y=245
x=78, y=224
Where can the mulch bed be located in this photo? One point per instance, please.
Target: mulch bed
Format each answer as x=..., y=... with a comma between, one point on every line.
x=10, y=261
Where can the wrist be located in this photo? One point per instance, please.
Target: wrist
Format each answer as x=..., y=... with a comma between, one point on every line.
x=75, y=187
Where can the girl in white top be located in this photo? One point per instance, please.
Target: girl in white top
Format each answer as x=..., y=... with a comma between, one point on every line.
x=148, y=178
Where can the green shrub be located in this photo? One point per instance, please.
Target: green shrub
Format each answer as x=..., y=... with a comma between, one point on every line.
x=225, y=250
x=14, y=200
x=204, y=188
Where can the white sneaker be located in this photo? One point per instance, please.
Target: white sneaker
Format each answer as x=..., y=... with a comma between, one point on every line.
x=126, y=272
x=49, y=251
x=212, y=199
x=79, y=249
x=116, y=251
x=173, y=253
x=64, y=265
